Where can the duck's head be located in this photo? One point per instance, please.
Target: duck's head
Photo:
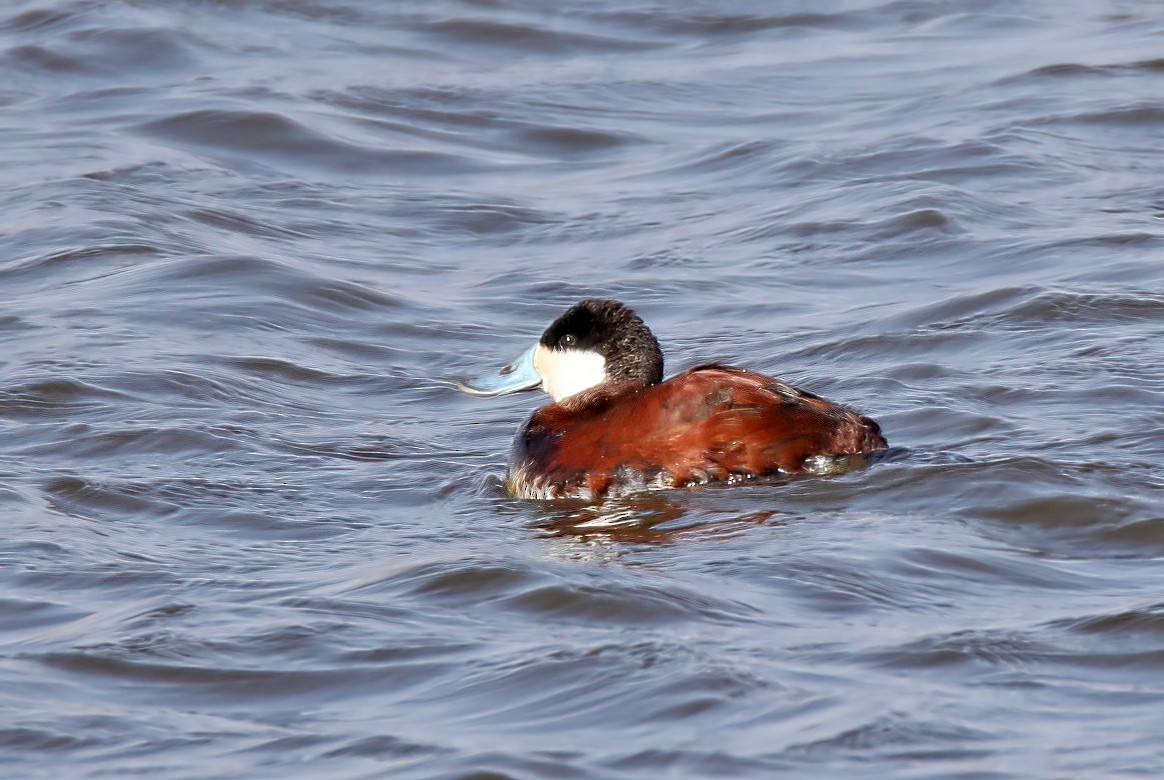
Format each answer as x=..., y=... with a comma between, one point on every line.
x=594, y=343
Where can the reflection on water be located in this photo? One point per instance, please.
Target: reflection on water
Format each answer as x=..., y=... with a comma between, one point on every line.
x=251, y=528
x=643, y=517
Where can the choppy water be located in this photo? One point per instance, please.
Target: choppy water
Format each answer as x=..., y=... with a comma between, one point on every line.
x=251, y=531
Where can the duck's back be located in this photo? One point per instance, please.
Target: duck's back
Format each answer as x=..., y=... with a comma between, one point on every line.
x=712, y=423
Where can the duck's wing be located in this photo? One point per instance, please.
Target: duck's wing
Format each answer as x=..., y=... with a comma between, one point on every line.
x=711, y=423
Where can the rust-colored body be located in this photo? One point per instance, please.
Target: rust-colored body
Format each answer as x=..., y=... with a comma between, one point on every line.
x=712, y=423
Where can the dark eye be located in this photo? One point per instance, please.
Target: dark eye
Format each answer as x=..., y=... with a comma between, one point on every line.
x=568, y=340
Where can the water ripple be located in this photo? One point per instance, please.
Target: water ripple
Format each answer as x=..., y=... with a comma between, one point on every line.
x=244, y=247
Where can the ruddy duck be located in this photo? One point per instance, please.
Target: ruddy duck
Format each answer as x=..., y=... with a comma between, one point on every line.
x=615, y=423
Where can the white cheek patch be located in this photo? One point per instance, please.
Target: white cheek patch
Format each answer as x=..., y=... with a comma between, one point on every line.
x=567, y=372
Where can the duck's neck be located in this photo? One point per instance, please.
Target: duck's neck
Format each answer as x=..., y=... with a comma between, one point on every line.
x=600, y=395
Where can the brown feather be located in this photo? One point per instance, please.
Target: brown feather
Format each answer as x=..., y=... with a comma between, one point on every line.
x=712, y=423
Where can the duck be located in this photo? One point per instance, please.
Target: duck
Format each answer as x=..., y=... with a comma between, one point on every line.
x=614, y=425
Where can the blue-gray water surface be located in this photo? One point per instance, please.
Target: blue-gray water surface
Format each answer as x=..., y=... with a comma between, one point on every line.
x=251, y=530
